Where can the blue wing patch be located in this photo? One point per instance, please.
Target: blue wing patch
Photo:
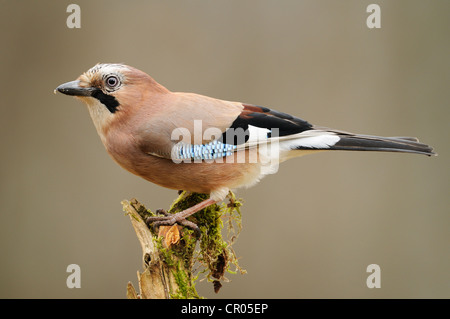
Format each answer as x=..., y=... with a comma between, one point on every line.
x=213, y=150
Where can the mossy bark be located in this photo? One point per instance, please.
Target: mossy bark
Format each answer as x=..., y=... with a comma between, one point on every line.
x=169, y=256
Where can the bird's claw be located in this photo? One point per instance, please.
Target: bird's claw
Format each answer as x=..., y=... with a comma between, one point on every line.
x=171, y=219
x=161, y=212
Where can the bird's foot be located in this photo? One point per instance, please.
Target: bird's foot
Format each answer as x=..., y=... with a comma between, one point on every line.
x=180, y=218
x=171, y=219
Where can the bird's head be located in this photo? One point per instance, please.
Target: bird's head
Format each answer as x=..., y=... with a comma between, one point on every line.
x=111, y=90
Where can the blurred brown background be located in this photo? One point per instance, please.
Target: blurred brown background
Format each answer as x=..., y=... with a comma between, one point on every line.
x=311, y=230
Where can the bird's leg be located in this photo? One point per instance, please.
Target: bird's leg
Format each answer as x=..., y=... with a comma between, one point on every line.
x=180, y=217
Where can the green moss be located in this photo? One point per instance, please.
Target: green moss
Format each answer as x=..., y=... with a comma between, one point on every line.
x=166, y=255
x=185, y=283
x=214, y=255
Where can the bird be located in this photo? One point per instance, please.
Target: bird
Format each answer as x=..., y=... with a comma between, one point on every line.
x=192, y=142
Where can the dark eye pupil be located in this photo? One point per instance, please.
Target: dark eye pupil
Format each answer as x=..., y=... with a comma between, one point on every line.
x=112, y=81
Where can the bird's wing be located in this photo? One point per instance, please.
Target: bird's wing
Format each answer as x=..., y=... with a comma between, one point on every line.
x=198, y=127
x=217, y=128
x=179, y=120
x=257, y=124
x=263, y=126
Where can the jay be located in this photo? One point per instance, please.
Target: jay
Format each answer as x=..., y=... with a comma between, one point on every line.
x=192, y=142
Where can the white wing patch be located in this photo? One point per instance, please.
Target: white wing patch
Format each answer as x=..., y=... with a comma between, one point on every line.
x=257, y=134
x=313, y=139
x=321, y=140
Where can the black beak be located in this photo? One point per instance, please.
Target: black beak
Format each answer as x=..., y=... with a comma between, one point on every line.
x=74, y=88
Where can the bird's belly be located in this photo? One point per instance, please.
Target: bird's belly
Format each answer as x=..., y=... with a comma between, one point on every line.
x=203, y=177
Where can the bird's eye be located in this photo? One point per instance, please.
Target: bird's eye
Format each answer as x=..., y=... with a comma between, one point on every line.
x=112, y=81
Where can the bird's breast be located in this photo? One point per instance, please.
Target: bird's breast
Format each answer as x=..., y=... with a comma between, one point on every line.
x=201, y=177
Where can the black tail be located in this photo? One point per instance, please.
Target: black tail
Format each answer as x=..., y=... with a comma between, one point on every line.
x=356, y=142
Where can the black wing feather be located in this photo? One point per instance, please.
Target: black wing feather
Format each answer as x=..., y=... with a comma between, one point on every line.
x=266, y=118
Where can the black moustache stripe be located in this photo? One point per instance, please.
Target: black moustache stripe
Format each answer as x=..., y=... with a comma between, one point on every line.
x=107, y=100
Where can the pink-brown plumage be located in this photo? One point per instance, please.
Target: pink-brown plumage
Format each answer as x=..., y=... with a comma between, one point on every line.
x=141, y=123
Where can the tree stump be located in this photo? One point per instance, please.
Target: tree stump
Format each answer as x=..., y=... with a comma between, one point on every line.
x=174, y=257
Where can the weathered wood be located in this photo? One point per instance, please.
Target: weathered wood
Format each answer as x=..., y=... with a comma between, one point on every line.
x=157, y=281
x=168, y=256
